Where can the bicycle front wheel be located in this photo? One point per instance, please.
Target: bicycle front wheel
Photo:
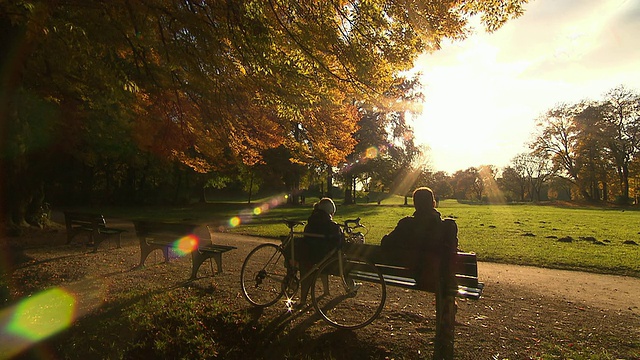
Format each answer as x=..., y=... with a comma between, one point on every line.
x=351, y=299
x=262, y=275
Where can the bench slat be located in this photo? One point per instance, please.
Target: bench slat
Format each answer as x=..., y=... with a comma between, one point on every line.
x=217, y=248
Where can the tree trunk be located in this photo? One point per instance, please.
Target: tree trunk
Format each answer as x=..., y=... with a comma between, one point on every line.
x=625, y=183
x=347, y=190
x=353, y=190
x=250, y=187
x=23, y=195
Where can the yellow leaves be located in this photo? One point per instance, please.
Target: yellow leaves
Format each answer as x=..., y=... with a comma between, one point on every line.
x=197, y=163
x=130, y=86
x=236, y=78
x=329, y=130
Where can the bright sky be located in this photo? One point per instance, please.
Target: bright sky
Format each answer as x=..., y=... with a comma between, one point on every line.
x=484, y=94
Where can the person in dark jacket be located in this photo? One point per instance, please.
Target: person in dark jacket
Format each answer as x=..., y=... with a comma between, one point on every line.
x=419, y=233
x=322, y=234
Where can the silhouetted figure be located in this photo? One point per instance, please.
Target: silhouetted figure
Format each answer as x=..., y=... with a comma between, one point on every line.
x=420, y=233
x=322, y=234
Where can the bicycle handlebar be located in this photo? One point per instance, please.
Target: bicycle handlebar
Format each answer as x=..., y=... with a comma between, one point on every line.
x=355, y=221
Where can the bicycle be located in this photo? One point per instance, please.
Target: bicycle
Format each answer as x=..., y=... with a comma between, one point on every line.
x=348, y=292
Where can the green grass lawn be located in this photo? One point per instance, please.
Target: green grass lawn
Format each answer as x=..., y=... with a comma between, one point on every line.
x=517, y=234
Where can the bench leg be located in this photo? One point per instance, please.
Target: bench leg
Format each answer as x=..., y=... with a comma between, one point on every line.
x=97, y=240
x=144, y=253
x=146, y=250
x=217, y=257
x=197, y=258
x=71, y=234
x=93, y=241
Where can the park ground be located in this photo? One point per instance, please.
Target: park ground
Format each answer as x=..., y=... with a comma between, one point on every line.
x=525, y=312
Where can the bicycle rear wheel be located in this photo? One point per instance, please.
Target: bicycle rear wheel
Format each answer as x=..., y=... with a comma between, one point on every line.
x=262, y=275
x=353, y=302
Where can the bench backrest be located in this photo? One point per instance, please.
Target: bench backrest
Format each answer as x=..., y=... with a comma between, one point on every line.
x=162, y=230
x=395, y=263
x=88, y=220
x=426, y=268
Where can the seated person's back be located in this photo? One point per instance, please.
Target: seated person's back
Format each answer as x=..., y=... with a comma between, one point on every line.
x=422, y=230
x=323, y=233
x=420, y=237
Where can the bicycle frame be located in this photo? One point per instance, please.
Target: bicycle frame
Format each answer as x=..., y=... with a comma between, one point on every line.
x=289, y=242
x=345, y=297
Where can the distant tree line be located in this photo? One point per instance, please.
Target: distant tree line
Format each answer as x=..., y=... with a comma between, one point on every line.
x=584, y=151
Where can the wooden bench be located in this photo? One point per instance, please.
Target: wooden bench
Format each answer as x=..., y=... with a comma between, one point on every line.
x=94, y=225
x=448, y=274
x=181, y=239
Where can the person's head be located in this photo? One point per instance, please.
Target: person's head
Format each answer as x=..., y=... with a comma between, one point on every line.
x=423, y=199
x=327, y=205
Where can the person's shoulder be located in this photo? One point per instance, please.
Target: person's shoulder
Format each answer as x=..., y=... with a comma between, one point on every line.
x=407, y=220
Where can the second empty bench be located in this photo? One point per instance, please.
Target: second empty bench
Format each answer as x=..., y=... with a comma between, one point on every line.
x=179, y=238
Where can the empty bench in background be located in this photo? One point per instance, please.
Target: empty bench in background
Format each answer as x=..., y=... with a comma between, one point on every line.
x=180, y=238
x=94, y=225
x=448, y=274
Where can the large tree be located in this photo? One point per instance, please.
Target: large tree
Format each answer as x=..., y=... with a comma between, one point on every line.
x=620, y=123
x=591, y=143
x=559, y=139
x=203, y=83
x=385, y=146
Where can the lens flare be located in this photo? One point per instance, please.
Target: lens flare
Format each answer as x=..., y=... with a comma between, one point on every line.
x=247, y=215
x=371, y=153
x=42, y=315
x=185, y=245
x=234, y=221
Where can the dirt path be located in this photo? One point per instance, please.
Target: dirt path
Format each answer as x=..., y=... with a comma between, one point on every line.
x=607, y=292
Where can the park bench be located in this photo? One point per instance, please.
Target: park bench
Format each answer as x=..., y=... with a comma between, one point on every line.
x=94, y=225
x=449, y=274
x=180, y=238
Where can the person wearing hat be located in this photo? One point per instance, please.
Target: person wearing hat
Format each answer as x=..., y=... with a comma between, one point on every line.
x=322, y=234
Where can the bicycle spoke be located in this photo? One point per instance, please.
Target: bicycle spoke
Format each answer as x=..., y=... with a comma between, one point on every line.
x=354, y=304
x=262, y=275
